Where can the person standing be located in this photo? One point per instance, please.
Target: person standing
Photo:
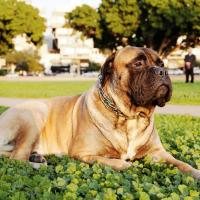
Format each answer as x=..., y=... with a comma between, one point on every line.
x=190, y=60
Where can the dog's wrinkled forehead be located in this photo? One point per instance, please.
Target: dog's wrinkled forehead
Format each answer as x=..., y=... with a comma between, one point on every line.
x=126, y=57
x=128, y=54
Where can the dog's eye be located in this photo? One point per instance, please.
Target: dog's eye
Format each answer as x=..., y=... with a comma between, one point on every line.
x=138, y=64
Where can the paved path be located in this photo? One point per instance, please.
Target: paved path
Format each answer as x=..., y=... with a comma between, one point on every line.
x=168, y=109
x=14, y=101
x=67, y=77
x=179, y=110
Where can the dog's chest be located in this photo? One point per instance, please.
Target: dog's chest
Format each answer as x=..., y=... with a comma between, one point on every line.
x=138, y=131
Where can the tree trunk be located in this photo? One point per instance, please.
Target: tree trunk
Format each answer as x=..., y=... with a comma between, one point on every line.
x=163, y=45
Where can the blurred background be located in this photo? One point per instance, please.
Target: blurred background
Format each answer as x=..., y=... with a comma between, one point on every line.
x=71, y=38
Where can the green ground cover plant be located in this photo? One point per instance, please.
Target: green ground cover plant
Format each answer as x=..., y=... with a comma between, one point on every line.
x=66, y=178
x=182, y=93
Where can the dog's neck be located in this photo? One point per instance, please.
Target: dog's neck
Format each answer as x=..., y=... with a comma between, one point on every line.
x=115, y=105
x=109, y=103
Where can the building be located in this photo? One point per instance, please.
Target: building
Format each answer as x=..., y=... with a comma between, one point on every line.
x=2, y=62
x=63, y=47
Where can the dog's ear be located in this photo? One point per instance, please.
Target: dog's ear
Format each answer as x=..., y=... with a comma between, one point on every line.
x=107, y=69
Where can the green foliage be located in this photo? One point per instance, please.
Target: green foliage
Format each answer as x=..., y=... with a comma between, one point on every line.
x=2, y=109
x=3, y=72
x=65, y=178
x=25, y=61
x=156, y=24
x=162, y=22
x=85, y=19
x=119, y=21
x=17, y=17
x=93, y=67
x=112, y=25
x=180, y=136
x=198, y=63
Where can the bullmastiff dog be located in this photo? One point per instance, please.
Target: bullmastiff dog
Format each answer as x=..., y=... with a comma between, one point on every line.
x=112, y=123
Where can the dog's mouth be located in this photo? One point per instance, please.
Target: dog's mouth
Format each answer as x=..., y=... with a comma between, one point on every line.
x=155, y=91
x=162, y=95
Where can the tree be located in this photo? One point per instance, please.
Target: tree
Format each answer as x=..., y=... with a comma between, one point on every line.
x=152, y=23
x=17, y=17
x=85, y=19
x=119, y=21
x=112, y=25
x=25, y=61
x=163, y=22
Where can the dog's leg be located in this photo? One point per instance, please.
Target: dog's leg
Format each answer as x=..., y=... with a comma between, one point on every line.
x=20, y=128
x=25, y=142
x=6, y=150
x=117, y=164
x=155, y=149
x=162, y=155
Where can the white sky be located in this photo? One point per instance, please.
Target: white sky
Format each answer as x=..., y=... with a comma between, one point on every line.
x=48, y=6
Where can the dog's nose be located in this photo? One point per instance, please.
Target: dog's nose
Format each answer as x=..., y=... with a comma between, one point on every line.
x=161, y=71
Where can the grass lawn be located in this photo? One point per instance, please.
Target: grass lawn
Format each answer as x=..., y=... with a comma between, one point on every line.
x=65, y=178
x=42, y=89
x=182, y=93
x=186, y=93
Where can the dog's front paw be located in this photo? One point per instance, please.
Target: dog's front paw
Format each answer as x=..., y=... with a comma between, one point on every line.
x=128, y=156
x=37, y=158
x=196, y=174
x=121, y=164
